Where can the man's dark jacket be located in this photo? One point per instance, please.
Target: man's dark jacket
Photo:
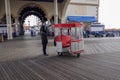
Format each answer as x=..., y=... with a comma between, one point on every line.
x=43, y=32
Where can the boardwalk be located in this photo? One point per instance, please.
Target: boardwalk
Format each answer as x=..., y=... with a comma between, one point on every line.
x=23, y=60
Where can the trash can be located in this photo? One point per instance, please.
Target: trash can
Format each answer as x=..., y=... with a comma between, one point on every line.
x=1, y=37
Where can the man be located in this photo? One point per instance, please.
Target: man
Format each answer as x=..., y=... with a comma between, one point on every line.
x=44, y=39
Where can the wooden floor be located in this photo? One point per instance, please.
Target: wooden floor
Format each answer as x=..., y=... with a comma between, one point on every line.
x=23, y=60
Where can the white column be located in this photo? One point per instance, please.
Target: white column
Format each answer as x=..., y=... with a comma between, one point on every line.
x=55, y=12
x=8, y=19
x=16, y=26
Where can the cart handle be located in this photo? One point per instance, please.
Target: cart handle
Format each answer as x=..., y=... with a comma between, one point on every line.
x=78, y=40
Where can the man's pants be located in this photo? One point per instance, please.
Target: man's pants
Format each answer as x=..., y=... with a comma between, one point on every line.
x=44, y=47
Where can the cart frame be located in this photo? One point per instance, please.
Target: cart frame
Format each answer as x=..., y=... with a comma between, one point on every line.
x=61, y=38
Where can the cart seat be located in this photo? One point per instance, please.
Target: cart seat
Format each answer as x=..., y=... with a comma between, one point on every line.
x=65, y=40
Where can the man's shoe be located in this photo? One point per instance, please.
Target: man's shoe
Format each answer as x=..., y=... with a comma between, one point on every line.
x=46, y=54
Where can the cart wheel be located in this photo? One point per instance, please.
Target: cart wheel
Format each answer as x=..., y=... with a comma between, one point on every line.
x=60, y=54
x=78, y=55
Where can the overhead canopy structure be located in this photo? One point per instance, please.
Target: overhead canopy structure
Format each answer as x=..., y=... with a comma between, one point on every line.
x=45, y=0
x=81, y=19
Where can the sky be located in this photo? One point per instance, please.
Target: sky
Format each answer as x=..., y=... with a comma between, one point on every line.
x=109, y=13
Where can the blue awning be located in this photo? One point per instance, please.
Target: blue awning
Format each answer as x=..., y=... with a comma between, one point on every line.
x=81, y=19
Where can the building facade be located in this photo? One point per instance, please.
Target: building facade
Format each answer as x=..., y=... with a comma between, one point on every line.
x=45, y=10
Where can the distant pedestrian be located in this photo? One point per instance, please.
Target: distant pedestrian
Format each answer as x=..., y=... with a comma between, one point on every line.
x=44, y=39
